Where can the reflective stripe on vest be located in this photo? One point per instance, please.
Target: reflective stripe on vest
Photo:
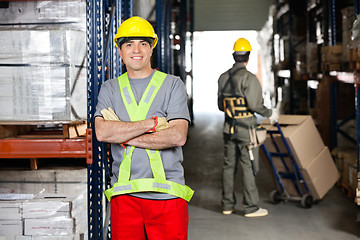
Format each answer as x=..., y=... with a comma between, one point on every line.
x=138, y=112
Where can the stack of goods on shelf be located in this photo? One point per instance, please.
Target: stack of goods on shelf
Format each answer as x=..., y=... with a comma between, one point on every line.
x=331, y=58
x=354, y=45
x=42, y=63
x=348, y=18
x=52, y=205
x=345, y=158
x=44, y=219
x=337, y=58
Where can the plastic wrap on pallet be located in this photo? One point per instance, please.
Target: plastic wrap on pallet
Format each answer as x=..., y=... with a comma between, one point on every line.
x=348, y=17
x=9, y=228
x=264, y=39
x=42, y=52
x=42, y=75
x=31, y=93
x=67, y=182
x=58, y=210
x=60, y=226
x=355, y=33
x=71, y=13
x=42, y=46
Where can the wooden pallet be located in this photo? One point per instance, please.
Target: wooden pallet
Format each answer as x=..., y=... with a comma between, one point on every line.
x=66, y=129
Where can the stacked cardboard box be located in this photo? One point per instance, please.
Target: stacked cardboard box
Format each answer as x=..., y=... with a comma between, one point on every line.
x=44, y=181
x=44, y=12
x=41, y=74
x=331, y=57
x=311, y=155
x=346, y=162
x=42, y=53
x=10, y=219
x=58, y=211
x=42, y=218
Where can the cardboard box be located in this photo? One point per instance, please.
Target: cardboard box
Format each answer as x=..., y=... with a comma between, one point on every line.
x=301, y=135
x=10, y=210
x=60, y=226
x=332, y=54
x=11, y=227
x=75, y=237
x=56, y=206
x=43, y=12
x=321, y=174
x=23, y=238
x=349, y=175
x=44, y=208
x=12, y=237
x=69, y=182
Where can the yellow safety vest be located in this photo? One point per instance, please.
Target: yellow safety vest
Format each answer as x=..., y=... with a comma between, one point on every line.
x=138, y=112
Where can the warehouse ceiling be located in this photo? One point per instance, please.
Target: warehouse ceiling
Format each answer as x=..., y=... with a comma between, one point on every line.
x=215, y=15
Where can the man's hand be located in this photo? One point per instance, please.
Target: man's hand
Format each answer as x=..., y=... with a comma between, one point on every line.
x=274, y=116
x=109, y=114
x=161, y=123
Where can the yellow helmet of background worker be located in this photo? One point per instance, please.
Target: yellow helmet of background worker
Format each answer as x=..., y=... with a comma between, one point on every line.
x=242, y=45
x=136, y=27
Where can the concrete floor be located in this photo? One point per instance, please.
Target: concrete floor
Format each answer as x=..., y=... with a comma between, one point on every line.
x=334, y=217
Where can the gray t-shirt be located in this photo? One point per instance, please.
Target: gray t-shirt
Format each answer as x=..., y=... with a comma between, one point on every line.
x=170, y=102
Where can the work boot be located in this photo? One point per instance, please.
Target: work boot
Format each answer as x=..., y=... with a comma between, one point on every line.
x=261, y=212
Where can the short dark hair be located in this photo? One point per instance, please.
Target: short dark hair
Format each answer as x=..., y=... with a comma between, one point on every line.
x=122, y=40
x=241, y=57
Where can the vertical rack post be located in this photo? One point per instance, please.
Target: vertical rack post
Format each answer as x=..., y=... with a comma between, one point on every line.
x=291, y=58
x=357, y=100
x=100, y=64
x=334, y=84
x=94, y=15
x=164, y=56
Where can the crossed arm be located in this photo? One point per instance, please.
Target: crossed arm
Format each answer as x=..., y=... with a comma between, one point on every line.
x=135, y=133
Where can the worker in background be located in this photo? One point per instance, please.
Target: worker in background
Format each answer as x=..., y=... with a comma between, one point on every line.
x=240, y=97
x=144, y=115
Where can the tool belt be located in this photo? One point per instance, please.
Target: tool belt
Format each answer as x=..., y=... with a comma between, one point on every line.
x=233, y=124
x=257, y=136
x=234, y=107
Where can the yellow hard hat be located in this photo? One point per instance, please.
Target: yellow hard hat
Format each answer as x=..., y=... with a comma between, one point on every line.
x=136, y=27
x=242, y=45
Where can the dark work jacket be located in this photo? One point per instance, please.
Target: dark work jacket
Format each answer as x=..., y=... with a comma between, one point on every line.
x=245, y=85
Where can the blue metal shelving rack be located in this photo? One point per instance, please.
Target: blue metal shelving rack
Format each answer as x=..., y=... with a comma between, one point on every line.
x=357, y=103
x=103, y=17
x=335, y=126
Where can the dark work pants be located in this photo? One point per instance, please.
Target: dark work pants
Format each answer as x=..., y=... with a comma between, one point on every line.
x=237, y=153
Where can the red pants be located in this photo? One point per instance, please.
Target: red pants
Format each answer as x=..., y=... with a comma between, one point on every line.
x=135, y=218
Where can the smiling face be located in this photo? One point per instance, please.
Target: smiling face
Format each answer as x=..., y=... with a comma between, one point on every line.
x=136, y=54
